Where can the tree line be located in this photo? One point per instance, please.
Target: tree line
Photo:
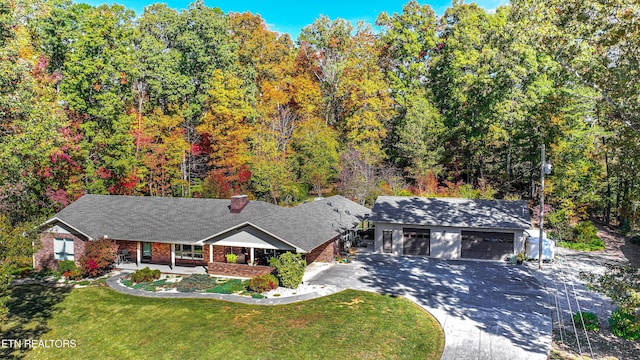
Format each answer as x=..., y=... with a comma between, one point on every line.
x=199, y=103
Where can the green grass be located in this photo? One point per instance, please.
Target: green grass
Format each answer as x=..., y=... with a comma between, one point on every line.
x=109, y=325
x=593, y=245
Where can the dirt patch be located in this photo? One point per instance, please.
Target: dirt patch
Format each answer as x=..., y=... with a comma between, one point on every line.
x=601, y=345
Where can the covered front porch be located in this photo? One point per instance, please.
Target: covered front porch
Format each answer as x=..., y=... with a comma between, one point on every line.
x=252, y=255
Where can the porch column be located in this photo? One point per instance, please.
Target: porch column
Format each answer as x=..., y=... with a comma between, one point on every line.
x=251, y=256
x=138, y=252
x=211, y=253
x=173, y=255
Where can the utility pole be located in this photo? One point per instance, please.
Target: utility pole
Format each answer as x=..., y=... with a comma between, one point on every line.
x=544, y=169
x=541, y=239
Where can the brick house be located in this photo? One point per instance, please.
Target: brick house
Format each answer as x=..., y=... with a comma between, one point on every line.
x=199, y=232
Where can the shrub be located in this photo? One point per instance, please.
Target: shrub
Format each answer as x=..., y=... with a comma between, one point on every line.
x=289, y=269
x=584, y=237
x=587, y=320
x=145, y=275
x=196, y=282
x=66, y=265
x=634, y=239
x=74, y=274
x=585, y=232
x=622, y=285
x=263, y=283
x=232, y=258
x=98, y=256
x=624, y=324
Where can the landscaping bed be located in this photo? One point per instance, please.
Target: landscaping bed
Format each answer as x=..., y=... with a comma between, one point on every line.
x=209, y=284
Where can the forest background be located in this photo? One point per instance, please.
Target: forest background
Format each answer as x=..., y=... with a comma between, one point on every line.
x=201, y=103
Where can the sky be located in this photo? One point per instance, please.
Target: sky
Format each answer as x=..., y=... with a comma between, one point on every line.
x=291, y=16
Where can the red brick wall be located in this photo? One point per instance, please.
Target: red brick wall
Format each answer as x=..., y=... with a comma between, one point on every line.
x=220, y=252
x=237, y=270
x=161, y=253
x=44, y=259
x=323, y=253
x=131, y=246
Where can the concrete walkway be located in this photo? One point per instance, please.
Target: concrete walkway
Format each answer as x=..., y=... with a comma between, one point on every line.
x=488, y=310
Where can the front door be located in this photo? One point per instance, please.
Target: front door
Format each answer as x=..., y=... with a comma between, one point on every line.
x=146, y=251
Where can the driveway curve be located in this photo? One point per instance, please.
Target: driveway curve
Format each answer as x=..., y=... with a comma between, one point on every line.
x=488, y=310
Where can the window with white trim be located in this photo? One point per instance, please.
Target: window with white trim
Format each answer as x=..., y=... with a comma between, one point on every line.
x=189, y=252
x=63, y=249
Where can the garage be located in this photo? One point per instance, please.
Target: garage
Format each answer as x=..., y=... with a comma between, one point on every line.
x=416, y=241
x=450, y=228
x=486, y=245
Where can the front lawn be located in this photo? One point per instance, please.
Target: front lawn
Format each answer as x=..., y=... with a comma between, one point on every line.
x=107, y=324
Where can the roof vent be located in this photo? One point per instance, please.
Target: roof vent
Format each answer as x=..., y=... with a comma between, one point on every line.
x=238, y=202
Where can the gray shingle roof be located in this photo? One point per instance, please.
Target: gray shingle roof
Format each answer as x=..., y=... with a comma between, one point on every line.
x=192, y=220
x=453, y=212
x=155, y=218
x=311, y=224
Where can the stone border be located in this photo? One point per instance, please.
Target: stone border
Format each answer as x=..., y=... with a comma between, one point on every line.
x=113, y=283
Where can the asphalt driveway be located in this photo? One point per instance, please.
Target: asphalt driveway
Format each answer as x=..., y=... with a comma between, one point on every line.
x=488, y=310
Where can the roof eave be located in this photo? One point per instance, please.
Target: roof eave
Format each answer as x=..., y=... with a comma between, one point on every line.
x=54, y=219
x=298, y=249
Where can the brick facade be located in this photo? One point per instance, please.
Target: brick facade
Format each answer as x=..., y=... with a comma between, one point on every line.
x=44, y=257
x=131, y=246
x=237, y=270
x=220, y=253
x=324, y=253
x=161, y=253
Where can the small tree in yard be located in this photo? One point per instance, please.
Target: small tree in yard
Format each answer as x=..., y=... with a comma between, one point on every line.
x=622, y=285
x=289, y=269
x=98, y=256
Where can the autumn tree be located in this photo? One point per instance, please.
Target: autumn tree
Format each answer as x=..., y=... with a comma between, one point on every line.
x=226, y=130
x=316, y=146
x=30, y=118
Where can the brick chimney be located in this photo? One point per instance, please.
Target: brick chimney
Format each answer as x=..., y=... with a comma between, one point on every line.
x=238, y=202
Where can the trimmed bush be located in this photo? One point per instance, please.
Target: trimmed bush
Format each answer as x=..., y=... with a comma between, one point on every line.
x=263, y=283
x=587, y=320
x=145, y=275
x=289, y=269
x=196, y=282
x=66, y=265
x=232, y=258
x=624, y=324
x=98, y=256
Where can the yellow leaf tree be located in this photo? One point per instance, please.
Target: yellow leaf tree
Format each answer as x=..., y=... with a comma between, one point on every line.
x=225, y=130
